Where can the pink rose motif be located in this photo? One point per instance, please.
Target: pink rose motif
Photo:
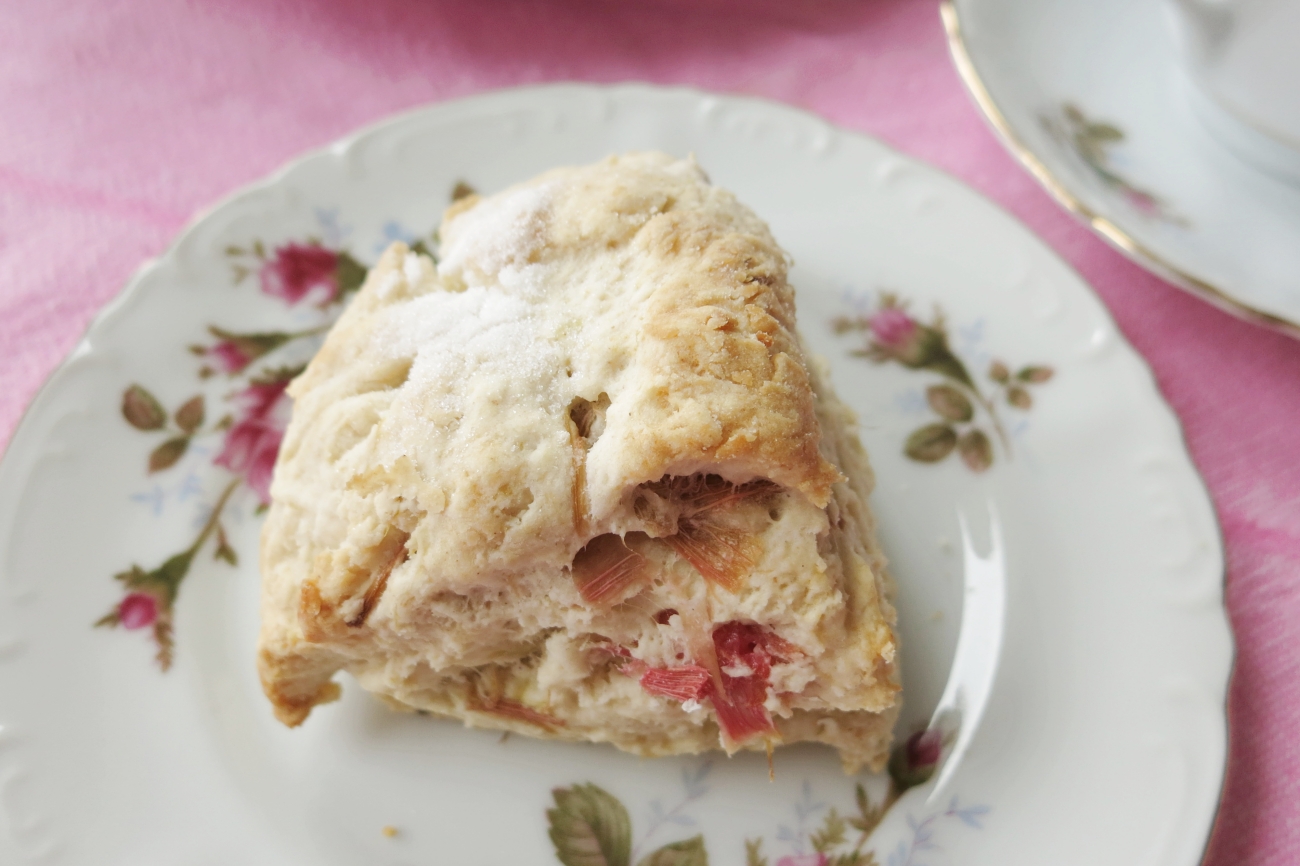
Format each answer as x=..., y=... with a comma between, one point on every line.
x=296, y=271
x=924, y=748
x=228, y=357
x=254, y=440
x=814, y=859
x=892, y=327
x=914, y=762
x=1143, y=202
x=137, y=610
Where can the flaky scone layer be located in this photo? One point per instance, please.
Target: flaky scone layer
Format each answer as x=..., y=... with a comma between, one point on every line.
x=545, y=483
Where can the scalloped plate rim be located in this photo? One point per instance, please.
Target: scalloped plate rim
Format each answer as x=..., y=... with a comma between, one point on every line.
x=122, y=303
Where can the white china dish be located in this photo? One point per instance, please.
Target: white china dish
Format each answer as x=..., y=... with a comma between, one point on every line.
x=1094, y=99
x=1094, y=653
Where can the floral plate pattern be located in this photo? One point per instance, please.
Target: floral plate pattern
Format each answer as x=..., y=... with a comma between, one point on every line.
x=147, y=740
x=1108, y=121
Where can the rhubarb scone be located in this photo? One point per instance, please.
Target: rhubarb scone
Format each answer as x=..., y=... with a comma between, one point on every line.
x=579, y=480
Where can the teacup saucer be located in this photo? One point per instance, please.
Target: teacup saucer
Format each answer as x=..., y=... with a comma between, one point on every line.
x=1091, y=97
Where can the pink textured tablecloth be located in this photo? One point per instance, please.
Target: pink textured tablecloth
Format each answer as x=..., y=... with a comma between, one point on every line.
x=119, y=120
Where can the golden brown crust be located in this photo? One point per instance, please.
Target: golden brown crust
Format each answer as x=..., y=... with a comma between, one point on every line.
x=295, y=683
x=466, y=431
x=731, y=384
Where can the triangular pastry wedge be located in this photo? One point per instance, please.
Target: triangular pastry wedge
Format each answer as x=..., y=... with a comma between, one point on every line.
x=579, y=480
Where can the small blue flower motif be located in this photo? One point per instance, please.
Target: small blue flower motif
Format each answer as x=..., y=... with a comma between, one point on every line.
x=693, y=780
x=911, y=402
x=806, y=806
x=693, y=777
x=856, y=299
x=152, y=498
x=970, y=340
x=967, y=386
x=971, y=337
x=392, y=232
x=971, y=815
x=922, y=836
x=682, y=820
x=659, y=815
x=202, y=516
x=923, y=831
x=334, y=231
x=191, y=487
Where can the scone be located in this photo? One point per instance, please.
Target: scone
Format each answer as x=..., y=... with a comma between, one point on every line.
x=579, y=480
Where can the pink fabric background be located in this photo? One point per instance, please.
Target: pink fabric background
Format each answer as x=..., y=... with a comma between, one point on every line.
x=119, y=120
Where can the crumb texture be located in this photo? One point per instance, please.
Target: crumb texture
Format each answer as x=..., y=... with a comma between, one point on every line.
x=578, y=479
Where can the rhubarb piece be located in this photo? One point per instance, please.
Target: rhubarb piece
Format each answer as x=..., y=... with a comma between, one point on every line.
x=508, y=709
x=723, y=554
x=742, y=723
x=745, y=658
x=607, y=568
x=693, y=494
x=578, y=479
x=685, y=683
x=745, y=653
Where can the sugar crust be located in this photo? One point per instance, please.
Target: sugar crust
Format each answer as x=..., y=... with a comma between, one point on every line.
x=433, y=488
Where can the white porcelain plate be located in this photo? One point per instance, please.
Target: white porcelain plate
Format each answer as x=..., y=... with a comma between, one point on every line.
x=1091, y=96
x=1047, y=483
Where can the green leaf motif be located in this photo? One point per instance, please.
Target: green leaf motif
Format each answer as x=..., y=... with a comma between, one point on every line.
x=170, y=574
x=276, y=375
x=929, y=350
x=976, y=450
x=688, y=852
x=253, y=345
x=949, y=402
x=589, y=827
x=869, y=816
x=163, y=581
x=1104, y=132
x=166, y=454
x=162, y=636
x=831, y=833
x=1019, y=397
x=931, y=443
x=134, y=578
x=754, y=852
x=853, y=858
x=1035, y=374
x=190, y=416
x=224, y=551
x=142, y=410
x=842, y=325
x=999, y=373
x=350, y=273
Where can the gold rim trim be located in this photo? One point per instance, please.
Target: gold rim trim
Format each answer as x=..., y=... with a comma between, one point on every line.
x=1135, y=250
x=1112, y=233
